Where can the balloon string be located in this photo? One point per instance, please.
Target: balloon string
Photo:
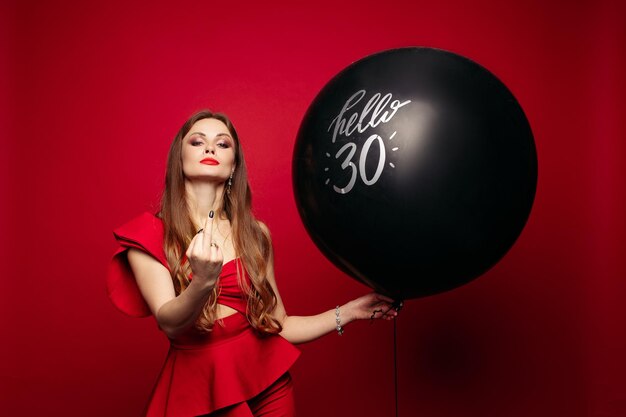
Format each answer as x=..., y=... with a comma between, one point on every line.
x=395, y=361
x=397, y=305
x=377, y=311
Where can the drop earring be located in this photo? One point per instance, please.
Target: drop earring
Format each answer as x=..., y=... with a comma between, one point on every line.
x=230, y=182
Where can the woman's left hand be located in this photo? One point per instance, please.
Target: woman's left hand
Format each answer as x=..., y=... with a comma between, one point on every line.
x=370, y=306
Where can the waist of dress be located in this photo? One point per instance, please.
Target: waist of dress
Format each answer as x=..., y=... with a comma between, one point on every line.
x=224, y=331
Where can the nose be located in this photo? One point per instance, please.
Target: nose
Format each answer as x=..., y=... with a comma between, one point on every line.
x=210, y=149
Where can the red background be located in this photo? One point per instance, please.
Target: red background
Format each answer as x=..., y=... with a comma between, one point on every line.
x=94, y=93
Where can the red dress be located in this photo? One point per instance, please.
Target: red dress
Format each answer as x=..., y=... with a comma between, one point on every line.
x=203, y=372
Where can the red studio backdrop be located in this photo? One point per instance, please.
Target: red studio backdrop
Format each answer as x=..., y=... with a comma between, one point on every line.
x=93, y=93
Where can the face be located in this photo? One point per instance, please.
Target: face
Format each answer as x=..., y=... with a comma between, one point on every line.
x=208, y=151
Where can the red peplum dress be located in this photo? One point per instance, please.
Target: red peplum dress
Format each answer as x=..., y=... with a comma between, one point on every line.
x=203, y=372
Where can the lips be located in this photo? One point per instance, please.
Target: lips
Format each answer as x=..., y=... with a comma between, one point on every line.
x=209, y=161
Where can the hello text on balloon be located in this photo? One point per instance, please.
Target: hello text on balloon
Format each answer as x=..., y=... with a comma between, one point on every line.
x=378, y=109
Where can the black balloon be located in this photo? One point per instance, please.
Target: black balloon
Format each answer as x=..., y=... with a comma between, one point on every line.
x=414, y=171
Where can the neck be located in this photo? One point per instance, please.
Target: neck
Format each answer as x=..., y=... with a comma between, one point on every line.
x=203, y=197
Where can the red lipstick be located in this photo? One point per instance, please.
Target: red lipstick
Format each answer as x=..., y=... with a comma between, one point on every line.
x=209, y=161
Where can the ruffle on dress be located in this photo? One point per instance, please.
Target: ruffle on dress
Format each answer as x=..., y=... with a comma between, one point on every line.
x=144, y=232
x=206, y=372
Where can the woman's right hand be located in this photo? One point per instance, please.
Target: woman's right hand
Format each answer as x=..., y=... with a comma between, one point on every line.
x=205, y=257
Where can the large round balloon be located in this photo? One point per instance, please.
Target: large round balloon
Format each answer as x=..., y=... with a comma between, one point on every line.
x=414, y=171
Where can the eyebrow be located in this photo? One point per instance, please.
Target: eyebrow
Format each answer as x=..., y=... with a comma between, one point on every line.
x=204, y=136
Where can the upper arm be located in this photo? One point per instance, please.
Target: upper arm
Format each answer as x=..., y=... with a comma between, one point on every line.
x=279, y=313
x=153, y=279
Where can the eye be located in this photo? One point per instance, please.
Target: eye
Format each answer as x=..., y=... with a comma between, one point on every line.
x=223, y=145
x=196, y=142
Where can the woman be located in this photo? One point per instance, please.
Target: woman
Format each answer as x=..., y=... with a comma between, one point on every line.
x=203, y=266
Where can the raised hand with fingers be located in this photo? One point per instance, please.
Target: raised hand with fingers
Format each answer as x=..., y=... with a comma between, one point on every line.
x=205, y=256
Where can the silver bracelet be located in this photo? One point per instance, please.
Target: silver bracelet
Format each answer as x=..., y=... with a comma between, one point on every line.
x=338, y=320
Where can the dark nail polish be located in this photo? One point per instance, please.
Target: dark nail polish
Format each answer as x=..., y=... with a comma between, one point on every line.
x=211, y=214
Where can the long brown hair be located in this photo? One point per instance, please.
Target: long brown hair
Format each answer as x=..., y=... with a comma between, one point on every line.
x=250, y=241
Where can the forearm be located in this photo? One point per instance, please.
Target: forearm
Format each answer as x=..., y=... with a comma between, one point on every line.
x=181, y=312
x=302, y=329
